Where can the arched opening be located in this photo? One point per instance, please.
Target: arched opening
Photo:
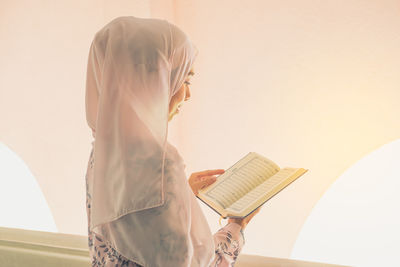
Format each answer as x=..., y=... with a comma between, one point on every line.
x=356, y=222
x=23, y=204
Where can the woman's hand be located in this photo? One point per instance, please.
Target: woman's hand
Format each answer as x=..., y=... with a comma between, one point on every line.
x=243, y=222
x=200, y=180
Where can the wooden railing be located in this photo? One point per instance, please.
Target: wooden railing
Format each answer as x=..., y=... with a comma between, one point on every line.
x=25, y=248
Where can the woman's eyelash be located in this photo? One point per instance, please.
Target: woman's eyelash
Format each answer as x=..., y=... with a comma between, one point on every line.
x=187, y=82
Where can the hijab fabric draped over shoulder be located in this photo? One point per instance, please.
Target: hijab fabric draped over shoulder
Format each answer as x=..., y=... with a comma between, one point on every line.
x=141, y=200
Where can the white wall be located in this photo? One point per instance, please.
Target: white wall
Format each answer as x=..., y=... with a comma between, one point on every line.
x=310, y=84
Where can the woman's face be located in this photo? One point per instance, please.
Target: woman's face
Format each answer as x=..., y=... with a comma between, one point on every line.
x=183, y=94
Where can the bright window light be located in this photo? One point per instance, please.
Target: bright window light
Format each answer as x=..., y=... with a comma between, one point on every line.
x=357, y=220
x=22, y=203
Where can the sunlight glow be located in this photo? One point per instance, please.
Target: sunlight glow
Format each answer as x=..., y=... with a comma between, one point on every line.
x=356, y=222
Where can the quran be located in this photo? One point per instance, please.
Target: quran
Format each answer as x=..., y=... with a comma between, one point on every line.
x=247, y=185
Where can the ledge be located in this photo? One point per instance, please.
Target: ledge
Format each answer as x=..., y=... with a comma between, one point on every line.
x=19, y=247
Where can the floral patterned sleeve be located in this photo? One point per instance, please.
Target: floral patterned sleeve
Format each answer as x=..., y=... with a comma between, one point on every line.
x=229, y=241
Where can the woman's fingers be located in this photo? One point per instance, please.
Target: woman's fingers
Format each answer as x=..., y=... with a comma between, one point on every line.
x=251, y=215
x=208, y=173
x=205, y=181
x=202, y=183
x=202, y=179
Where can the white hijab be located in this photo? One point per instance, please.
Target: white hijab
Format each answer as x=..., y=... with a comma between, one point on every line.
x=141, y=201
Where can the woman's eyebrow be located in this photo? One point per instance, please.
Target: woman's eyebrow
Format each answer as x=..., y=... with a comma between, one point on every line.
x=191, y=73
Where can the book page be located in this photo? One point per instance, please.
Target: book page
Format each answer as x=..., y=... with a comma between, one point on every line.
x=262, y=189
x=241, y=178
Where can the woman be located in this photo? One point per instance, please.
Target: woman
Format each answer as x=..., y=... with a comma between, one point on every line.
x=142, y=211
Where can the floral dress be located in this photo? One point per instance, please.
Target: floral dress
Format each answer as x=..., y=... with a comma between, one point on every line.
x=229, y=240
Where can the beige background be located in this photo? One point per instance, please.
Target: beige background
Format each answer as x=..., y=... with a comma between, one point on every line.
x=310, y=84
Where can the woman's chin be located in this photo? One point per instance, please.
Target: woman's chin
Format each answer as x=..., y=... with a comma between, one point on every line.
x=171, y=116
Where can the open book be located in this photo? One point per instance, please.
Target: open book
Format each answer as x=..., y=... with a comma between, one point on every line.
x=246, y=185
